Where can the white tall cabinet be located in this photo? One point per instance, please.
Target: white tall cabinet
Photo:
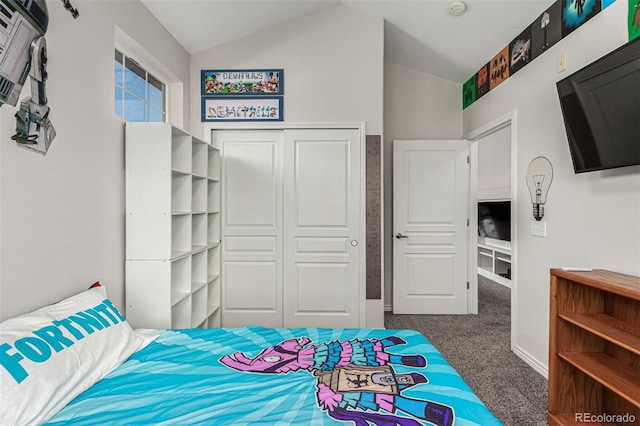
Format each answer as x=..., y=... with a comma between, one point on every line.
x=172, y=228
x=292, y=227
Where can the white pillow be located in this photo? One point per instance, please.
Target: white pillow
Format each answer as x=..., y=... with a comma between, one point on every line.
x=51, y=355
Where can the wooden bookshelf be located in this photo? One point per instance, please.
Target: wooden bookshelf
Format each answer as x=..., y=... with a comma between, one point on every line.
x=594, y=348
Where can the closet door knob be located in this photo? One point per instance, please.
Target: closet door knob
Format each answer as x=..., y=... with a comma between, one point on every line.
x=354, y=243
x=399, y=235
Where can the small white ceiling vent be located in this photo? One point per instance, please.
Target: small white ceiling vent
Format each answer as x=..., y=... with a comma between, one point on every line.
x=457, y=8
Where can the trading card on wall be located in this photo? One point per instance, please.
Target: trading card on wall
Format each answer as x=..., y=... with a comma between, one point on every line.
x=546, y=30
x=469, y=92
x=577, y=12
x=634, y=19
x=499, y=68
x=482, y=82
x=520, y=51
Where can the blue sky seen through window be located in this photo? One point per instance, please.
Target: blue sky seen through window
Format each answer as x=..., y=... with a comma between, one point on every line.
x=139, y=96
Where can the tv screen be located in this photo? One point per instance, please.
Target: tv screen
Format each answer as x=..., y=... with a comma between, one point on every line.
x=494, y=219
x=601, y=110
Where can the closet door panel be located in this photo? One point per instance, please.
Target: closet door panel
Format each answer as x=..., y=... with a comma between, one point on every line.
x=251, y=227
x=251, y=196
x=321, y=228
x=254, y=286
x=321, y=198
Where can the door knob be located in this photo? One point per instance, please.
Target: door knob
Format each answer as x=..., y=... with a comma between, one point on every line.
x=399, y=235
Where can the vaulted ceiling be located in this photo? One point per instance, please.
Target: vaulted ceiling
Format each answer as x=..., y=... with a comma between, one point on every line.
x=420, y=34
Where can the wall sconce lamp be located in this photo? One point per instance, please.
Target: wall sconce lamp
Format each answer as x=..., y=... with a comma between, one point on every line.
x=539, y=177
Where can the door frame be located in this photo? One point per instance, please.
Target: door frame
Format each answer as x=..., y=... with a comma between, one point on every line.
x=474, y=136
x=209, y=128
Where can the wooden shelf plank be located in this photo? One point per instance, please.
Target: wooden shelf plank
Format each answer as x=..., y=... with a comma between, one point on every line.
x=619, y=332
x=620, y=379
x=612, y=282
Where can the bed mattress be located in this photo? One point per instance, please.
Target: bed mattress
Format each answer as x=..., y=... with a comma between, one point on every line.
x=267, y=376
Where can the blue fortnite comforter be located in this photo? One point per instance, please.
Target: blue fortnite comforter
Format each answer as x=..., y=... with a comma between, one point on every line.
x=264, y=376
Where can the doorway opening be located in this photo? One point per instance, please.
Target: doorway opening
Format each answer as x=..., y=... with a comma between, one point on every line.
x=492, y=208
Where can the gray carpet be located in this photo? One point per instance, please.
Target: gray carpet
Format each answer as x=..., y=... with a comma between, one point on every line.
x=478, y=347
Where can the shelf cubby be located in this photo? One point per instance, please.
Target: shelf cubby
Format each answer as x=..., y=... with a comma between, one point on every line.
x=180, y=235
x=199, y=307
x=199, y=232
x=199, y=158
x=181, y=153
x=181, y=313
x=213, y=172
x=180, y=279
x=180, y=193
x=494, y=260
x=199, y=195
x=213, y=228
x=213, y=198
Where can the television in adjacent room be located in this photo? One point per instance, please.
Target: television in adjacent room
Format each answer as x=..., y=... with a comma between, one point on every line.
x=494, y=220
x=601, y=110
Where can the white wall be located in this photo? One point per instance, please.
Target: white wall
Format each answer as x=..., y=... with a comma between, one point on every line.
x=332, y=61
x=416, y=106
x=62, y=215
x=333, y=73
x=592, y=219
x=494, y=166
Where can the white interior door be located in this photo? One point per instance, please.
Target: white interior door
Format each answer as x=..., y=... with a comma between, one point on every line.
x=430, y=211
x=322, y=228
x=251, y=227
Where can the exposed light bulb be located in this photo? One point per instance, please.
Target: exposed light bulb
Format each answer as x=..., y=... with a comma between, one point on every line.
x=539, y=177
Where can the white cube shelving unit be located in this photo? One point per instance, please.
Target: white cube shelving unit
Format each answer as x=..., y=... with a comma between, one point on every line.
x=494, y=260
x=172, y=228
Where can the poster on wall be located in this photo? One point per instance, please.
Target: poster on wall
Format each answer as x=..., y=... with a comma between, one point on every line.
x=242, y=82
x=499, y=68
x=577, y=12
x=469, y=92
x=634, y=19
x=546, y=30
x=520, y=51
x=482, y=82
x=242, y=109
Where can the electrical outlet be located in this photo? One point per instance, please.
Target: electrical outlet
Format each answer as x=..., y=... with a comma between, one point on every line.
x=539, y=229
x=562, y=62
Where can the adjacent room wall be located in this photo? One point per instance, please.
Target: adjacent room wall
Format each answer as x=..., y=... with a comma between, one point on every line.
x=592, y=218
x=62, y=215
x=494, y=166
x=416, y=106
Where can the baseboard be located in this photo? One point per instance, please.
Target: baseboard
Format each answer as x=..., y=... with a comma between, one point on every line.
x=531, y=361
x=388, y=308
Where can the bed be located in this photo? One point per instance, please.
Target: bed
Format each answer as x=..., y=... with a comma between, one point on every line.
x=102, y=372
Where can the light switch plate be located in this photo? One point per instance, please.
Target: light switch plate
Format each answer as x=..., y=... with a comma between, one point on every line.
x=562, y=61
x=539, y=228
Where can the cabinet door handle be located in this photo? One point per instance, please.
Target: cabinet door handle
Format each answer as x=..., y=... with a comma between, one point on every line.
x=399, y=235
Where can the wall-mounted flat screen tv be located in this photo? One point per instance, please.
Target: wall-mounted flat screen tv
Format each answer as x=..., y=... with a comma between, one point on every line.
x=494, y=219
x=601, y=111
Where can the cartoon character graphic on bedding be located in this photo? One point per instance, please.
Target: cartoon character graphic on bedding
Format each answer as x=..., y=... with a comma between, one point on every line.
x=355, y=379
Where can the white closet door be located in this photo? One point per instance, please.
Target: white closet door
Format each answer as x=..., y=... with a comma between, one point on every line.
x=251, y=227
x=322, y=232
